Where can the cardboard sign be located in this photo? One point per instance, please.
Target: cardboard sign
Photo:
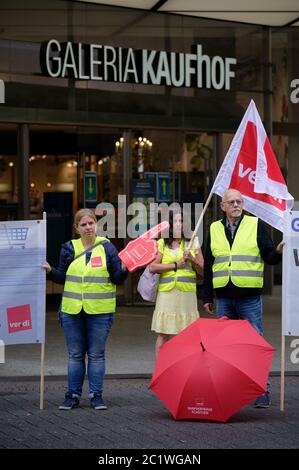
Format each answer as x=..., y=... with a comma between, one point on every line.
x=142, y=251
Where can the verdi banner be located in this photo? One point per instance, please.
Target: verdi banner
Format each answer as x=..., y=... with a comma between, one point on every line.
x=22, y=281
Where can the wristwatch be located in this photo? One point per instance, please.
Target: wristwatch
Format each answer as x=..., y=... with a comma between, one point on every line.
x=175, y=267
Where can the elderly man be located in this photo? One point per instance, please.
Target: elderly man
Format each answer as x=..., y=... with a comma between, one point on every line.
x=237, y=247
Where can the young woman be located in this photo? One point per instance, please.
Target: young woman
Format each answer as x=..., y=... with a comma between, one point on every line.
x=176, y=304
x=89, y=268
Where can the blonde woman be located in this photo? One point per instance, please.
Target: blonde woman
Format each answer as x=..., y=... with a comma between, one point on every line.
x=89, y=268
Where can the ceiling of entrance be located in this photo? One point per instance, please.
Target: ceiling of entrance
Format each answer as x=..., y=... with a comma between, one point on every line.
x=279, y=13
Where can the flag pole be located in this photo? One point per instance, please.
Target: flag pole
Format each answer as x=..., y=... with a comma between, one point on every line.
x=200, y=220
x=282, y=371
x=42, y=360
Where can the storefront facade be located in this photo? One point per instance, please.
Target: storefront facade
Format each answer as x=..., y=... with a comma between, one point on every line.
x=93, y=96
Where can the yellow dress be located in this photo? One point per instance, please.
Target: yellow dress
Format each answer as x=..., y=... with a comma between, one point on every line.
x=174, y=311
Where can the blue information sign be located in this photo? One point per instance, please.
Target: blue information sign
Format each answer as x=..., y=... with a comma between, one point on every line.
x=163, y=184
x=143, y=188
x=163, y=187
x=90, y=187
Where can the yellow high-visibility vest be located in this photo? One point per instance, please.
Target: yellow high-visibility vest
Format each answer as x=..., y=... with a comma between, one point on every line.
x=182, y=279
x=242, y=263
x=88, y=286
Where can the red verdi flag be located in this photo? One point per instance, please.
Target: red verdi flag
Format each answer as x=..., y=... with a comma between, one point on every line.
x=250, y=166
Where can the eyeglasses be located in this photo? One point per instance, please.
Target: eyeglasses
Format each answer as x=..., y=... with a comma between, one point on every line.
x=233, y=202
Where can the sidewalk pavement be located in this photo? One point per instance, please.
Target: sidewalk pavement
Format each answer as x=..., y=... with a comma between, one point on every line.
x=137, y=419
x=130, y=346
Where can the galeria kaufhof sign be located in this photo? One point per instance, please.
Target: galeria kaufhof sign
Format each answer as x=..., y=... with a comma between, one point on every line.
x=141, y=66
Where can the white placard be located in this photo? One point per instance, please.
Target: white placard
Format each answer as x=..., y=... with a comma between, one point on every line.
x=290, y=275
x=22, y=281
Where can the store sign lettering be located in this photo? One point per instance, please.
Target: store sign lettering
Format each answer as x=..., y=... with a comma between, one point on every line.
x=2, y=91
x=148, y=67
x=294, y=97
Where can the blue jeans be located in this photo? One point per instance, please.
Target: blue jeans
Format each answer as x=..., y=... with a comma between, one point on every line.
x=86, y=334
x=247, y=308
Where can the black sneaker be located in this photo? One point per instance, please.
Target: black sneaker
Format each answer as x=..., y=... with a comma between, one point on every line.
x=263, y=401
x=97, y=403
x=69, y=402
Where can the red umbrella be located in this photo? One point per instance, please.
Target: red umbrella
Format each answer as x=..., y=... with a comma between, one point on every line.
x=211, y=369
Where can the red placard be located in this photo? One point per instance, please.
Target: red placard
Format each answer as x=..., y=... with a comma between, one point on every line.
x=142, y=251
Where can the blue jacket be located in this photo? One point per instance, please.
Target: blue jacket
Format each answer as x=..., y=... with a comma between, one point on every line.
x=117, y=276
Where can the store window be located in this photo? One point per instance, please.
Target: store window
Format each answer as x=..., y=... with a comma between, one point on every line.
x=169, y=166
x=8, y=172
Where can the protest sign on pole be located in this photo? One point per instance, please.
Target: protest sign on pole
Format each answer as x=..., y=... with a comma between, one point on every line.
x=290, y=283
x=22, y=281
x=290, y=275
x=23, y=285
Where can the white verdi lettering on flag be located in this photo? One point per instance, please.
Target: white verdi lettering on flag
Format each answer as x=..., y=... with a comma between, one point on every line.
x=22, y=281
x=290, y=278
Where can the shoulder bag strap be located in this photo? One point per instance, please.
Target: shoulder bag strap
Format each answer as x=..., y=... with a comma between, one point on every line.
x=90, y=249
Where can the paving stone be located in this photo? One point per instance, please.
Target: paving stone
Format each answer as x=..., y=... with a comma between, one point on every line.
x=136, y=419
